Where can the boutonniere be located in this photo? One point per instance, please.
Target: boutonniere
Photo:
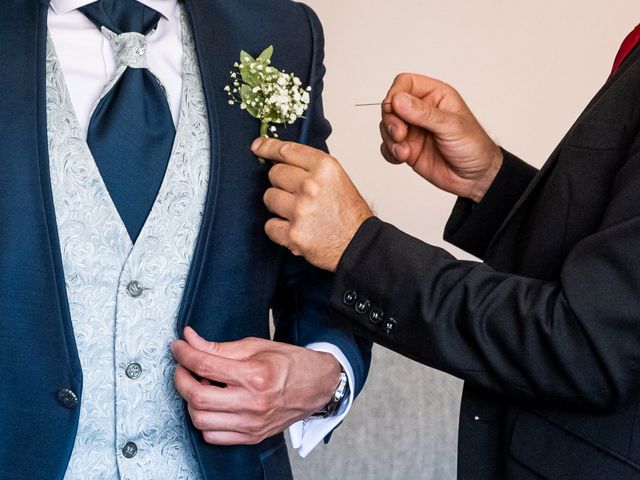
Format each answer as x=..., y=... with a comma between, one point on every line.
x=273, y=96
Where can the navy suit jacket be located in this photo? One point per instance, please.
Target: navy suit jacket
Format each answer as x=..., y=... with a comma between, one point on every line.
x=236, y=276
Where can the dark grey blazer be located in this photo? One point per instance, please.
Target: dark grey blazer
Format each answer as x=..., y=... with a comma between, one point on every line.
x=545, y=332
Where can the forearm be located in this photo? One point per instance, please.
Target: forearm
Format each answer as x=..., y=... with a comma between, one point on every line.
x=522, y=337
x=302, y=318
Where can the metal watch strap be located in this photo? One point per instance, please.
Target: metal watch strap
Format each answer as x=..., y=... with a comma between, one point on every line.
x=341, y=392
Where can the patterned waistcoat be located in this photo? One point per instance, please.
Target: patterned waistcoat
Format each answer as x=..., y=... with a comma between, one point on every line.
x=124, y=298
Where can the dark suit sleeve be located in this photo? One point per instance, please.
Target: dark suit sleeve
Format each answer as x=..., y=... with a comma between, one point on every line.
x=301, y=316
x=300, y=307
x=471, y=226
x=572, y=342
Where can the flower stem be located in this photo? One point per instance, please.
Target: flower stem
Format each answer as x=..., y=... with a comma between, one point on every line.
x=264, y=132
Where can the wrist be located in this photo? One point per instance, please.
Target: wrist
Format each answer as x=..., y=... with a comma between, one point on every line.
x=481, y=186
x=339, y=394
x=362, y=216
x=332, y=378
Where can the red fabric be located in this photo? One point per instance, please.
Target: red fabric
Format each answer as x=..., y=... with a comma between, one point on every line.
x=626, y=48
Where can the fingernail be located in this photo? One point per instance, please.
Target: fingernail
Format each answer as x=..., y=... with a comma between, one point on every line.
x=394, y=150
x=404, y=100
x=257, y=143
x=391, y=130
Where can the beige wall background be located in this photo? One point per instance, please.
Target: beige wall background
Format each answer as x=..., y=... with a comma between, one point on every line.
x=527, y=69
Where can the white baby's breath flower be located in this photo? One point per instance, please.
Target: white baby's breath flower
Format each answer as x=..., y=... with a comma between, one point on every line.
x=266, y=93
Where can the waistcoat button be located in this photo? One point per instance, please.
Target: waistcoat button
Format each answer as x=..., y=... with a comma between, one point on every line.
x=134, y=289
x=133, y=370
x=130, y=450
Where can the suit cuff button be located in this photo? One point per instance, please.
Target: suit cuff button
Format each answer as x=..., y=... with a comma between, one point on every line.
x=376, y=316
x=390, y=325
x=350, y=297
x=363, y=306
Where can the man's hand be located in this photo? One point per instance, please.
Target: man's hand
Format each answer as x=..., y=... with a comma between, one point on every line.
x=426, y=124
x=320, y=209
x=261, y=387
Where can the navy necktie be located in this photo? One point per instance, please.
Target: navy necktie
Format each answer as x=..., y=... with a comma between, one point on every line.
x=131, y=132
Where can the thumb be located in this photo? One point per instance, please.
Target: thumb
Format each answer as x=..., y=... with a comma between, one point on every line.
x=419, y=113
x=237, y=350
x=196, y=341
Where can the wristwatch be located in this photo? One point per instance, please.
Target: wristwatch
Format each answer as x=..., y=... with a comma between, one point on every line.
x=341, y=392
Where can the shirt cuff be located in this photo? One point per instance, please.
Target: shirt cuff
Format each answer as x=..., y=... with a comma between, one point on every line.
x=307, y=434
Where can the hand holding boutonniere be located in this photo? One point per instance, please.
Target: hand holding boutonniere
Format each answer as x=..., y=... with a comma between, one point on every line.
x=273, y=96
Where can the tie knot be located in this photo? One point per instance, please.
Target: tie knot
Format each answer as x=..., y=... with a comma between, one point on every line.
x=122, y=16
x=129, y=49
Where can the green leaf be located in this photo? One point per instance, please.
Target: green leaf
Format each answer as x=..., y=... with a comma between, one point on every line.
x=266, y=55
x=247, y=95
x=253, y=111
x=244, y=55
x=252, y=79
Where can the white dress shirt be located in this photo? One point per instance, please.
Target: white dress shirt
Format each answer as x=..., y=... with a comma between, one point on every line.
x=87, y=63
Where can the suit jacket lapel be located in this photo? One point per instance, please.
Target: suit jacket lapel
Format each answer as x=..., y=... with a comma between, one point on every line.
x=548, y=166
x=47, y=194
x=29, y=238
x=207, y=42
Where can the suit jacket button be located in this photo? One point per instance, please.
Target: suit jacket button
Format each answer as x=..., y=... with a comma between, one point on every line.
x=376, y=316
x=390, y=325
x=349, y=298
x=363, y=306
x=67, y=398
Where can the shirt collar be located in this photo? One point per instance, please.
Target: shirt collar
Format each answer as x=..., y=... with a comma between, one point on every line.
x=165, y=7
